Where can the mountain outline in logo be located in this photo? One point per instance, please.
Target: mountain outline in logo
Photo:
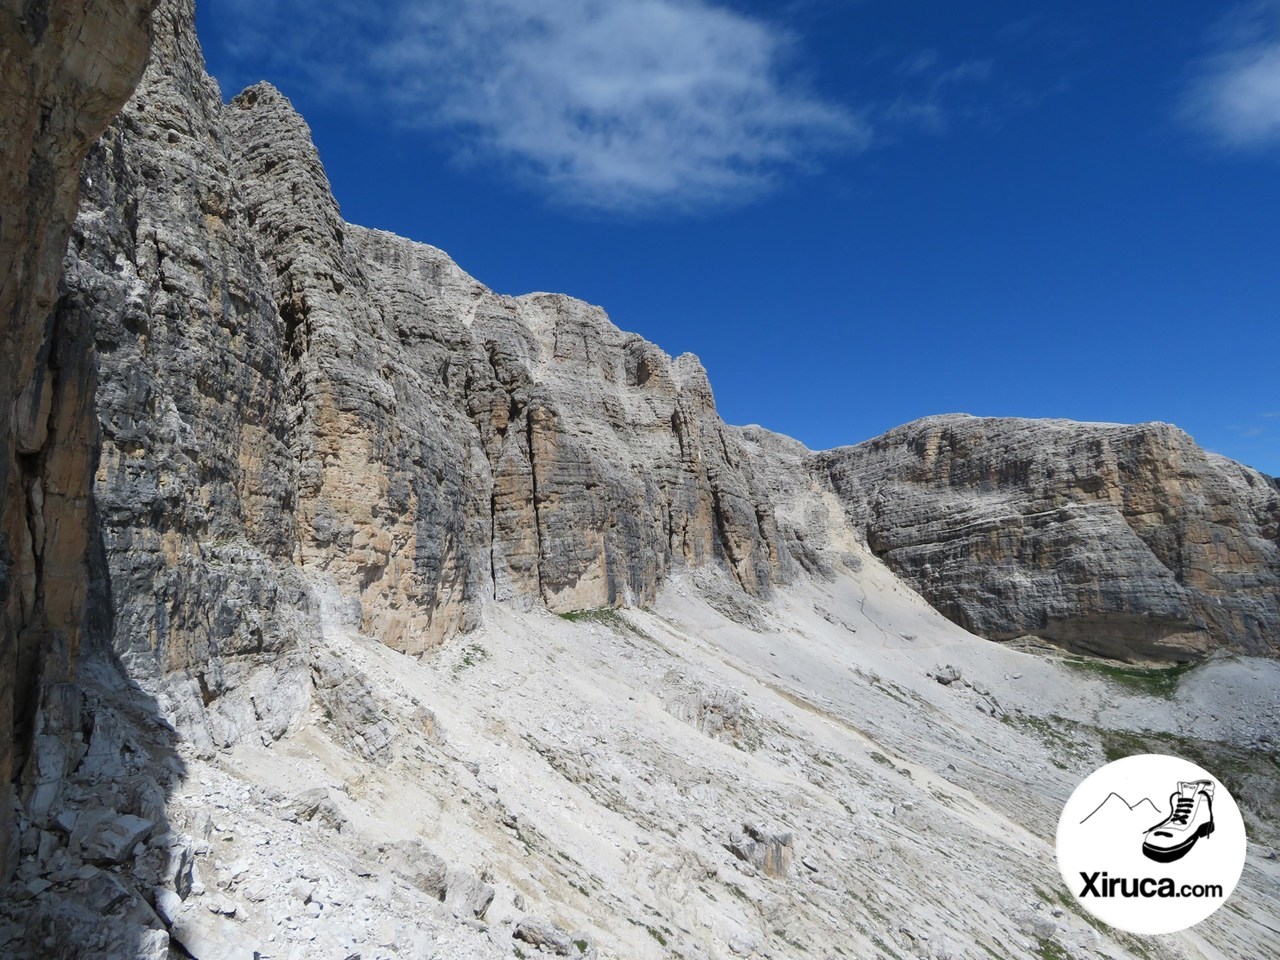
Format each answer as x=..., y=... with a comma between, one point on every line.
x=1130, y=808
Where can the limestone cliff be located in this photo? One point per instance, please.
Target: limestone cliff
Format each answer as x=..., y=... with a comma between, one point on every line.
x=1124, y=541
x=245, y=440
x=65, y=70
x=196, y=485
x=286, y=396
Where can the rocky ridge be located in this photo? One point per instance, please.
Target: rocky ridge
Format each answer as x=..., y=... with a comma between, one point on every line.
x=283, y=392
x=1127, y=542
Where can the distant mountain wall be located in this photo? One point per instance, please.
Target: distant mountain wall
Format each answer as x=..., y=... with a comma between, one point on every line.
x=1123, y=541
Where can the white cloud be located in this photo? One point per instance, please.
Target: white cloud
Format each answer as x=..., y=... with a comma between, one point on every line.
x=630, y=105
x=1235, y=98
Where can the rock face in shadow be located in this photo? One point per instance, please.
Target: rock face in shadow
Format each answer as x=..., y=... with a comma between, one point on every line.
x=1125, y=541
x=66, y=69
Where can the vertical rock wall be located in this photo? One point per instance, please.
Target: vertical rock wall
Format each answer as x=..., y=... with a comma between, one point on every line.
x=197, y=485
x=284, y=397
x=66, y=69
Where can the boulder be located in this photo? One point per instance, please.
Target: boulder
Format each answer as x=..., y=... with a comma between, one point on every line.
x=106, y=837
x=466, y=894
x=545, y=935
x=208, y=936
x=413, y=861
x=770, y=853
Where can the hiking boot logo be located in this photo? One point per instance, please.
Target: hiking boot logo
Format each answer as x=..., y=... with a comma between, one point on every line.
x=1190, y=818
x=1127, y=857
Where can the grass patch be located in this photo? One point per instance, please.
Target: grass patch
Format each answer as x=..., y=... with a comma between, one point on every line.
x=1069, y=902
x=1049, y=950
x=605, y=617
x=652, y=930
x=1159, y=682
x=874, y=911
x=885, y=949
x=472, y=654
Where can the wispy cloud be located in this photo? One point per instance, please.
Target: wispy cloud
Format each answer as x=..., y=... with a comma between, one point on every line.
x=1235, y=96
x=929, y=101
x=1261, y=428
x=612, y=105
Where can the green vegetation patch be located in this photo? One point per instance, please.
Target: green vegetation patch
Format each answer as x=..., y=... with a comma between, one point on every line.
x=885, y=949
x=1050, y=950
x=605, y=617
x=1159, y=682
x=1066, y=749
x=472, y=654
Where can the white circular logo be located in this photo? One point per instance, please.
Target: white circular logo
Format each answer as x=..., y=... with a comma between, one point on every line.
x=1151, y=844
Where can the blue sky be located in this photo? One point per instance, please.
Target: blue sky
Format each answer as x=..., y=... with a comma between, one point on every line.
x=856, y=213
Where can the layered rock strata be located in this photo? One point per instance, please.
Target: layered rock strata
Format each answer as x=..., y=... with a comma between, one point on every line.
x=312, y=433
x=284, y=396
x=1125, y=541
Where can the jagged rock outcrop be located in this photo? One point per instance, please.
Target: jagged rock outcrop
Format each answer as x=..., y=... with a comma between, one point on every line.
x=65, y=70
x=1125, y=541
x=285, y=396
x=455, y=445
